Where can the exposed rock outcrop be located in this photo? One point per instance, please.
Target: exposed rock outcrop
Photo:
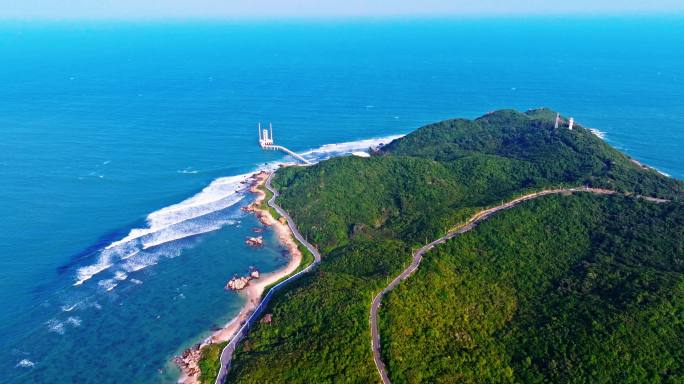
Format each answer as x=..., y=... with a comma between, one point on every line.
x=238, y=283
x=255, y=241
x=189, y=360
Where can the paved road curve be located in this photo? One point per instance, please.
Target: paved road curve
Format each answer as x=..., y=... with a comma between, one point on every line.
x=227, y=353
x=417, y=257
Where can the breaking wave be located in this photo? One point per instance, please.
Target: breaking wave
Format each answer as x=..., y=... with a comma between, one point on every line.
x=59, y=327
x=340, y=149
x=55, y=326
x=72, y=306
x=597, y=133
x=179, y=221
x=74, y=321
x=107, y=284
x=188, y=171
x=143, y=247
x=25, y=363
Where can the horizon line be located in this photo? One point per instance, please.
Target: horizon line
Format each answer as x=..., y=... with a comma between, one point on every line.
x=631, y=14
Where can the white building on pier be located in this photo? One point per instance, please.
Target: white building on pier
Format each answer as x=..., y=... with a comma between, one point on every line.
x=266, y=142
x=265, y=139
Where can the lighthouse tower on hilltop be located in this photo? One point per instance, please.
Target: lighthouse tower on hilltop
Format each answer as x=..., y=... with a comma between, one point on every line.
x=558, y=119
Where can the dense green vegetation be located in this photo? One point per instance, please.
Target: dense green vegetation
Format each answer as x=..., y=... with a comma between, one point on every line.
x=319, y=330
x=209, y=362
x=418, y=184
x=539, y=152
x=210, y=354
x=561, y=289
x=264, y=203
x=366, y=214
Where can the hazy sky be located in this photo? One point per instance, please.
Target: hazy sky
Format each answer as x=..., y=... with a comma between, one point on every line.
x=136, y=9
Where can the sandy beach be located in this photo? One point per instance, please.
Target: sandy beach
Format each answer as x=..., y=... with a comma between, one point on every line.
x=254, y=290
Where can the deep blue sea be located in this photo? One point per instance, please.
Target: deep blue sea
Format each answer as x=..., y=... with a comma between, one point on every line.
x=123, y=145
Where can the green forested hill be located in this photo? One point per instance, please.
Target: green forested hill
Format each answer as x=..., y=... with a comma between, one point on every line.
x=580, y=289
x=573, y=156
x=423, y=182
x=366, y=214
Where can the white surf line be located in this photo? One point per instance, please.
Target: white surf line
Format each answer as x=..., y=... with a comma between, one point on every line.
x=110, y=255
x=141, y=232
x=187, y=209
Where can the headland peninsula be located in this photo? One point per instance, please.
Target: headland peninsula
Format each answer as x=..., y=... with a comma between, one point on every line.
x=515, y=247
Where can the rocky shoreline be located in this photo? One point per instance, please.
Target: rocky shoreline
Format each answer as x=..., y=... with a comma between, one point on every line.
x=239, y=283
x=251, y=286
x=188, y=361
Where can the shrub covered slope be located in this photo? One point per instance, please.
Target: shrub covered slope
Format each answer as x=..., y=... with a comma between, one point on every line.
x=366, y=214
x=559, y=290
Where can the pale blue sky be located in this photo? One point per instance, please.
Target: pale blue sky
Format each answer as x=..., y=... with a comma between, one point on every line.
x=240, y=9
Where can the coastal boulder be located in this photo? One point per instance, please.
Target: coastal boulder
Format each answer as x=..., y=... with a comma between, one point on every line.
x=255, y=241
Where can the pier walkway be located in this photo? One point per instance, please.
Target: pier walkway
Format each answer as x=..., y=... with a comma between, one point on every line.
x=291, y=153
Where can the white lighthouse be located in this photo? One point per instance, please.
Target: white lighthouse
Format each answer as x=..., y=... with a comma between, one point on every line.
x=571, y=122
x=265, y=139
x=555, y=126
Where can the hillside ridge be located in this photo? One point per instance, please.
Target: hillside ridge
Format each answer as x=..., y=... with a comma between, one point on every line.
x=367, y=214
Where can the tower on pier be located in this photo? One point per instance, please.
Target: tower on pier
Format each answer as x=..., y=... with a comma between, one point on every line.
x=265, y=139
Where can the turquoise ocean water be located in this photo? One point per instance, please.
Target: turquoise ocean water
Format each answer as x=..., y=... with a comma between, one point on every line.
x=123, y=145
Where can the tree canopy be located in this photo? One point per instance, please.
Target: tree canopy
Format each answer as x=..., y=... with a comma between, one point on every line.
x=564, y=289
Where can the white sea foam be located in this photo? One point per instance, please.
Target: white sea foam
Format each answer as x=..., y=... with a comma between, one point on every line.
x=339, y=149
x=172, y=223
x=85, y=273
x=134, y=266
x=149, y=258
x=191, y=217
x=78, y=305
x=70, y=307
x=55, y=326
x=136, y=281
x=179, y=213
x=183, y=230
x=599, y=134
x=107, y=284
x=74, y=321
x=25, y=363
x=130, y=254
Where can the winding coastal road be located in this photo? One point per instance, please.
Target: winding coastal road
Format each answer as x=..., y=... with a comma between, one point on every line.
x=227, y=353
x=417, y=257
